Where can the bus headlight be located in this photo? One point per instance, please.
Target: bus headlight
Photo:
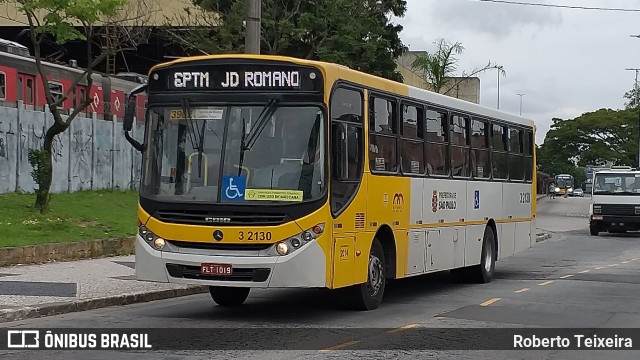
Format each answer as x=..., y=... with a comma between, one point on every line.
x=297, y=241
x=159, y=243
x=557, y=189
x=152, y=239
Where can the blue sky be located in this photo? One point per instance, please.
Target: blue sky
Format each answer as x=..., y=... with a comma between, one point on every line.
x=566, y=61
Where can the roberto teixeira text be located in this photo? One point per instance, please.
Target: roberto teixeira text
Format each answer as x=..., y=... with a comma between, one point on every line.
x=40, y=339
x=577, y=341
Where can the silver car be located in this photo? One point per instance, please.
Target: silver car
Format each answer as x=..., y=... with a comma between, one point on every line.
x=578, y=192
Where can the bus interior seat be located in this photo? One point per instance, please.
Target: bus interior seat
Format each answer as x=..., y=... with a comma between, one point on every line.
x=284, y=176
x=206, y=193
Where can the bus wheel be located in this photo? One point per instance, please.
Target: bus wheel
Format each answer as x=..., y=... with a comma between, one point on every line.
x=593, y=229
x=368, y=296
x=229, y=296
x=483, y=273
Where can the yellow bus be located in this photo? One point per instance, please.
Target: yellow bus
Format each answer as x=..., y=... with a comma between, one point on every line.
x=277, y=172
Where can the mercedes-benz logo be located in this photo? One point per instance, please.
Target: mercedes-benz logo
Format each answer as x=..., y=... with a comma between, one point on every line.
x=217, y=235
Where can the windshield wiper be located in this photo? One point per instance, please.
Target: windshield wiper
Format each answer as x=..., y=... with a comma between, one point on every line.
x=197, y=144
x=261, y=122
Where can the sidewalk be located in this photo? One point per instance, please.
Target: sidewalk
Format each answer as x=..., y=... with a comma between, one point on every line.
x=29, y=291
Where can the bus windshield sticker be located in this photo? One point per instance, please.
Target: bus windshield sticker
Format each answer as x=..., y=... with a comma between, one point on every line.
x=233, y=188
x=380, y=164
x=207, y=113
x=273, y=195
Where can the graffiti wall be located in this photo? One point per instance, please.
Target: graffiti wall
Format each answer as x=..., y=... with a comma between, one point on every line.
x=91, y=154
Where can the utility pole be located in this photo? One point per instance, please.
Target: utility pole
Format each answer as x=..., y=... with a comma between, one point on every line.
x=635, y=89
x=520, y=102
x=252, y=28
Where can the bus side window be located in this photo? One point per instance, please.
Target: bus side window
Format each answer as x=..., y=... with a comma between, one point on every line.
x=383, y=130
x=499, y=142
x=347, y=142
x=437, y=140
x=528, y=155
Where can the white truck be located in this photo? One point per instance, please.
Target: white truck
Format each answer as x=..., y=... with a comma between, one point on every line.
x=615, y=200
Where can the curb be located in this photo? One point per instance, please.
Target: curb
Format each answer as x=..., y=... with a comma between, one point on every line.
x=79, y=250
x=92, y=304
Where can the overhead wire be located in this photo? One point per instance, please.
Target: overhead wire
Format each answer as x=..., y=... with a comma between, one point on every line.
x=560, y=6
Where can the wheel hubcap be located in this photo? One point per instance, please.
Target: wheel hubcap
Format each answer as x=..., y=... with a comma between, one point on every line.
x=376, y=275
x=488, y=255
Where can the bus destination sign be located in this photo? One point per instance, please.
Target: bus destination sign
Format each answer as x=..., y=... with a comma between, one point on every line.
x=238, y=78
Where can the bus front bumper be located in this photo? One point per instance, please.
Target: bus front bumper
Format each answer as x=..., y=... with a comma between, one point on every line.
x=304, y=267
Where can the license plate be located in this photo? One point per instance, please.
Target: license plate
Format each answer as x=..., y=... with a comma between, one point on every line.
x=216, y=269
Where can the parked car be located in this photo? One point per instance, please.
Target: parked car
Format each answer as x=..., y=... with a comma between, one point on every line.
x=578, y=192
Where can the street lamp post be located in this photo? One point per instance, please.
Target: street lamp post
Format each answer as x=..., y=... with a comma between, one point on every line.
x=637, y=104
x=252, y=29
x=520, y=102
x=499, y=68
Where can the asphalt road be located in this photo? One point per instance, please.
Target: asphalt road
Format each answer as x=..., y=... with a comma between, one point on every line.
x=572, y=280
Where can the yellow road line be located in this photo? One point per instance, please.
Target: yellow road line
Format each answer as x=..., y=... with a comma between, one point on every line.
x=566, y=276
x=584, y=271
x=522, y=290
x=402, y=328
x=490, y=301
x=546, y=283
x=341, y=346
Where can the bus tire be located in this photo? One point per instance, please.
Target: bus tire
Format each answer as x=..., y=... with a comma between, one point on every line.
x=483, y=273
x=593, y=229
x=368, y=296
x=229, y=296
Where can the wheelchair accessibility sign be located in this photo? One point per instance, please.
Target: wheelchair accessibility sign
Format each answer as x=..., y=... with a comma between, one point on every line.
x=233, y=188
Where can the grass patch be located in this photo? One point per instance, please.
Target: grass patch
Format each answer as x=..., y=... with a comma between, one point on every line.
x=83, y=215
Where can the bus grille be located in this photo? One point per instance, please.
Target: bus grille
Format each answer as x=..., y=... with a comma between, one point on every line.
x=194, y=217
x=239, y=274
x=618, y=209
x=218, y=246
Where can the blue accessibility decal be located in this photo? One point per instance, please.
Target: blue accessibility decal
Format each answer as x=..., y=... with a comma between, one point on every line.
x=233, y=188
x=476, y=199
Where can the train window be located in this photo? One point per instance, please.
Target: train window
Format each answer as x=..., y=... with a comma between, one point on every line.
x=30, y=90
x=56, y=90
x=20, y=90
x=3, y=86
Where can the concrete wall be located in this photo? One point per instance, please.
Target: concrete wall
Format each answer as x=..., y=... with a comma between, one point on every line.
x=91, y=154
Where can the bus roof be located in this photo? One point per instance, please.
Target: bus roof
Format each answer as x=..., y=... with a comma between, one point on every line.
x=369, y=80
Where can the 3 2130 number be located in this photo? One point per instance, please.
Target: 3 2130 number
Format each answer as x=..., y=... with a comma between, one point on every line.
x=254, y=235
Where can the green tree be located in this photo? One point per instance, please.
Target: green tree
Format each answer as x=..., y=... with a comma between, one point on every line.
x=438, y=68
x=355, y=33
x=593, y=138
x=632, y=97
x=65, y=21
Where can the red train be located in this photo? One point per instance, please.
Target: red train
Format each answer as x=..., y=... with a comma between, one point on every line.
x=19, y=80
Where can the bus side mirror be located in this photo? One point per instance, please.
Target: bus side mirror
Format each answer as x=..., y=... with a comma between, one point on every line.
x=129, y=114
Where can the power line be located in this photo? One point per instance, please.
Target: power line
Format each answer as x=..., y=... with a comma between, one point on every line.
x=560, y=6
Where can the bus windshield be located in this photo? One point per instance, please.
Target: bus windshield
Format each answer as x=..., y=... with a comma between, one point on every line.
x=564, y=183
x=234, y=153
x=617, y=184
